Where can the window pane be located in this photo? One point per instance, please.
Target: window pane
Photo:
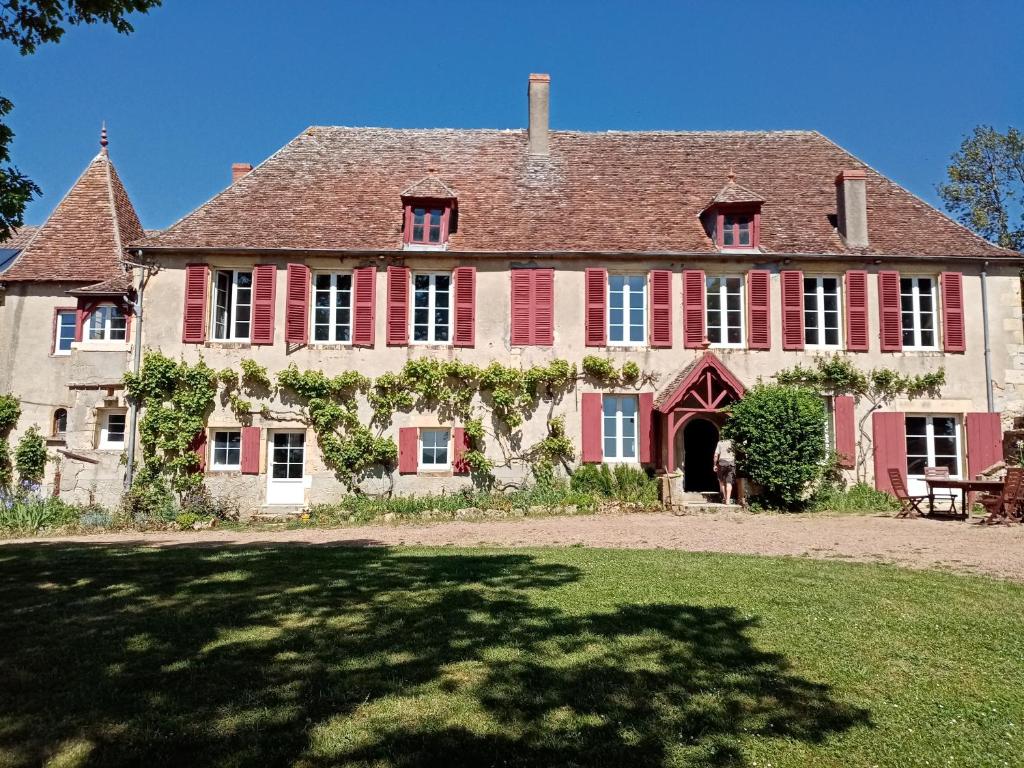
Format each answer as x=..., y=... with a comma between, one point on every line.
x=916, y=425
x=442, y=282
x=616, y=282
x=944, y=425
x=915, y=466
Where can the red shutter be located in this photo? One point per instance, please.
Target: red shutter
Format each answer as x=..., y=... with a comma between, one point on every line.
x=857, y=311
x=364, y=280
x=197, y=278
x=543, y=307
x=398, y=306
x=645, y=427
x=846, y=430
x=250, y=451
x=264, y=293
x=792, y=309
x=460, y=444
x=889, y=443
x=80, y=318
x=522, y=301
x=984, y=442
x=890, y=317
x=952, y=284
x=596, y=307
x=590, y=412
x=465, y=306
x=760, y=308
x=408, y=447
x=693, y=309
x=296, y=309
x=661, y=308
x=198, y=445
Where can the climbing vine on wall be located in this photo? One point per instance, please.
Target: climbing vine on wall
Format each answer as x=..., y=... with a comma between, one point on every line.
x=10, y=412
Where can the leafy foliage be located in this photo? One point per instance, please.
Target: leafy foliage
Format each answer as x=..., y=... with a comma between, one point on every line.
x=6, y=465
x=10, y=412
x=27, y=510
x=622, y=483
x=779, y=433
x=255, y=375
x=859, y=497
x=30, y=456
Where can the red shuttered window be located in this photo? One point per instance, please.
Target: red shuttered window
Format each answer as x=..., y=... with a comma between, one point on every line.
x=264, y=294
x=889, y=443
x=953, y=337
x=533, y=307
x=590, y=412
x=398, y=306
x=759, y=306
x=460, y=444
x=792, y=282
x=693, y=309
x=408, y=448
x=198, y=446
x=250, y=462
x=364, y=306
x=296, y=310
x=857, y=311
x=197, y=279
x=984, y=441
x=661, y=308
x=890, y=318
x=645, y=427
x=465, y=306
x=596, y=302
x=846, y=430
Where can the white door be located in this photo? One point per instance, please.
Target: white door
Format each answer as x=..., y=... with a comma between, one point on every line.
x=286, y=464
x=932, y=441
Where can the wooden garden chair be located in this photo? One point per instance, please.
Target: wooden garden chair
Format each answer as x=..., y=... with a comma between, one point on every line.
x=1007, y=505
x=909, y=505
x=946, y=496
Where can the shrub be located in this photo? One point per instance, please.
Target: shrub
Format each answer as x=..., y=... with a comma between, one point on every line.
x=860, y=497
x=6, y=466
x=30, y=456
x=779, y=433
x=202, y=504
x=10, y=412
x=623, y=483
x=148, y=500
x=27, y=510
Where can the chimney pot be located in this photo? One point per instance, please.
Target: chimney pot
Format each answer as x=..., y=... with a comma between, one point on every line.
x=538, y=92
x=852, y=207
x=238, y=170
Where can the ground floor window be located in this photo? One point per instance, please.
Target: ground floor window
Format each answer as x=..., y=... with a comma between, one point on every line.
x=619, y=427
x=932, y=441
x=227, y=450
x=112, y=430
x=434, y=449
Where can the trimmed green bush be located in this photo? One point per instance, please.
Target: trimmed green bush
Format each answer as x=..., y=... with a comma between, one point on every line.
x=622, y=483
x=30, y=456
x=859, y=497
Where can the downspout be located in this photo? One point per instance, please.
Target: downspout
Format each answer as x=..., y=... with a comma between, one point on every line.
x=988, y=349
x=133, y=406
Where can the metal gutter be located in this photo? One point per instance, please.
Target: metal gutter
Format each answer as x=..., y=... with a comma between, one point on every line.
x=988, y=349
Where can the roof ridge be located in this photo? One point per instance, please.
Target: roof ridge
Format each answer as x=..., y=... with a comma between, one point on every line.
x=577, y=132
x=118, y=247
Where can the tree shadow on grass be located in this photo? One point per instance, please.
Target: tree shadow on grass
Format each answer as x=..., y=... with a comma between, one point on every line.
x=320, y=656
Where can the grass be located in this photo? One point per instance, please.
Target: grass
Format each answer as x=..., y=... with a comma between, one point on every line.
x=321, y=656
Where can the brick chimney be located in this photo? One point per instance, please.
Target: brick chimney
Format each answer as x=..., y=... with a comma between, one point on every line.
x=538, y=91
x=852, y=207
x=238, y=170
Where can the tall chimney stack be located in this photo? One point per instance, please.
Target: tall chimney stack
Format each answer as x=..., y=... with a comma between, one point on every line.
x=538, y=91
x=852, y=207
x=238, y=170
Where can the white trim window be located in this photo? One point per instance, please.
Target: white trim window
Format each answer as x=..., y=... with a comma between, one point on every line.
x=332, y=308
x=226, y=450
x=435, y=454
x=65, y=331
x=431, y=308
x=232, y=304
x=725, y=321
x=917, y=303
x=627, y=310
x=822, y=322
x=619, y=428
x=108, y=322
x=933, y=441
x=112, y=430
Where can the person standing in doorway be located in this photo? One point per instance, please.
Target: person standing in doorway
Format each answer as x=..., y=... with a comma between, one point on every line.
x=725, y=468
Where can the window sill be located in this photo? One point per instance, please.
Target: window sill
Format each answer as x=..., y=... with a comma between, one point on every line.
x=424, y=247
x=227, y=344
x=330, y=345
x=731, y=346
x=100, y=346
x=431, y=344
x=223, y=471
x=440, y=472
x=57, y=440
x=636, y=347
x=111, y=448
x=743, y=250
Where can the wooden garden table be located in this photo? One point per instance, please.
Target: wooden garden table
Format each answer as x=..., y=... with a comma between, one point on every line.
x=969, y=488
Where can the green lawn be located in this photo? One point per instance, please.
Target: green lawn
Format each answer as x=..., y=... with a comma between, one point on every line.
x=320, y=656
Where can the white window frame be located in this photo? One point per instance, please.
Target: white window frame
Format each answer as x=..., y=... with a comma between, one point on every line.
x=332, y=307
x=917, y=314
x=214, y=465
x=106, y=329
x=618, y=419
x=431, y=307
x=232, y=319
x=819, y=312
x=723, y=310
x=627, y=310
x=61, y=315
x=434, y=467
x=105, y=443
x=930, y=441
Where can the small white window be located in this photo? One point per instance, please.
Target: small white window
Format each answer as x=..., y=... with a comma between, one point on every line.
x=619, y=428
x=332, y=307
x=64, y=332
x=434, y=449
x=431, y=308
x=227, y=450
x=112, y=429
x=822, y=325
x=932, y=441
x=917, y=302
x=627, y=309
x=108, y=323
x=232, y=305
x=725, y=311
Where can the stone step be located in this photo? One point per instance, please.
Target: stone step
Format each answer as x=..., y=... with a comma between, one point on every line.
x=705, y=507
x=280, y=512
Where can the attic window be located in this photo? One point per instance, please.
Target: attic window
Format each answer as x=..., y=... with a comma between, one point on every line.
x=737, y=230
x=427, y=223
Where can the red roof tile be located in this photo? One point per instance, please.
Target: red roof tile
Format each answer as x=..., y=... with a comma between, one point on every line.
x=340, y=188
x=19, y=239
x=83, y=239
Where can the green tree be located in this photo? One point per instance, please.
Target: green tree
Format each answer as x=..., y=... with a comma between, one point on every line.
x=28, y=24
x=985, y=190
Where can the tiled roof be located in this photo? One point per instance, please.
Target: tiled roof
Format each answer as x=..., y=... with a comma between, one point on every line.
x=736, y=193
x=115, y=286
x=340, y=188
x=83, y=239
x=10, y=247
x=430, y=187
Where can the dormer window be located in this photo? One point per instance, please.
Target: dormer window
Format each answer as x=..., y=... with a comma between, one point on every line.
x=427, y=223
x=733, y=217
x=738, y=230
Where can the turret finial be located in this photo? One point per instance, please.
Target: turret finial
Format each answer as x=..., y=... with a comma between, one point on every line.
x=103, y=138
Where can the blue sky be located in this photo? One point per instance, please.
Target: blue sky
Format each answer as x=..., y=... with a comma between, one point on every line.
x=204, y=83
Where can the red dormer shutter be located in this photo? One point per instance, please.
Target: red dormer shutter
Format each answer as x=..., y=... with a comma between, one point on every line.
x=661, y=308
x=264, y=294
x=465, y=306
x=792, y=309
x=953, y=337
x=364, y=280
x=890, y=316
x=596, y=307
x=398, y=306
x=857, y=310
x=197, y=277
x=759, y=303
x=693, y=309
x=296, y=309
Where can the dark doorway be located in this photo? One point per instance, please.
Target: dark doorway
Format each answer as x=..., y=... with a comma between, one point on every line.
x=700, y=437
